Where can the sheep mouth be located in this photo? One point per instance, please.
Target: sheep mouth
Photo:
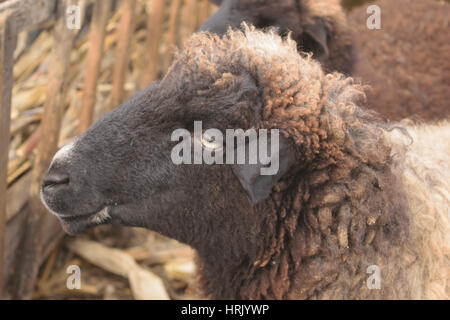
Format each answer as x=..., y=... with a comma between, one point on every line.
x=78, y=223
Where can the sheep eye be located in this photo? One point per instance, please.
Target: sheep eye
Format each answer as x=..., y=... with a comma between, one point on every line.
x=210, y=142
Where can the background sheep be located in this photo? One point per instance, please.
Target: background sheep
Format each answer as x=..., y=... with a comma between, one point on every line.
x=356, y=194
x=317, y=26
x=405, y=62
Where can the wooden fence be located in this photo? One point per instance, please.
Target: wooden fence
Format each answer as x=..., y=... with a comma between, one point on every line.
x=27, y=231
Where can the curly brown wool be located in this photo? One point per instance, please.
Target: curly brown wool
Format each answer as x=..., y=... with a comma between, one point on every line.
x=346, y=205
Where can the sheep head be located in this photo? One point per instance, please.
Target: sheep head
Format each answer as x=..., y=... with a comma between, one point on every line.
x=121, y=168
x=248, y=80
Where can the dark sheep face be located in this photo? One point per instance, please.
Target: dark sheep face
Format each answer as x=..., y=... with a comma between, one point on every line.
x=120, y=170
x=284, y=15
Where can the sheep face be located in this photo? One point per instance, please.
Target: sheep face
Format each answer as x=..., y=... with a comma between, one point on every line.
x=317, y=26
x=123, y=163
x=121, y=170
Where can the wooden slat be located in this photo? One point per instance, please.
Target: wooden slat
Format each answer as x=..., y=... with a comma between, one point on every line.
x=26, y=13
x=122, y=52
x=189, y=19
x=16, y=196
x=32, y=244
x=96, y=44
x=154, y=32
x=172, y=32
x=7, y=47
x=15, y=232
x=13, y=236
x=205, y=12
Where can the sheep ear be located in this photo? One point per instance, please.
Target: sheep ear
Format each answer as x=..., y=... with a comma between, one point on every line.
x=257, y=179
x=314, y=39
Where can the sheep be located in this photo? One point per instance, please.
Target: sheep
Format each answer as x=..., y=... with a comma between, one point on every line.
x=405, y=62
x=319, y=27
x=354, y=194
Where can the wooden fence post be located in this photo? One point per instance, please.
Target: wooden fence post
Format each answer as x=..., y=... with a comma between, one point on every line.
x=205, y=12
x=7, y=47
x=31, y=246
x=189, y=19
x=172, y=32
x=96, y=44
x=126, y=29
x=154, y=31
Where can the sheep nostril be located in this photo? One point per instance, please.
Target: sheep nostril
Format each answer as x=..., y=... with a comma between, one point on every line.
x=55, y=179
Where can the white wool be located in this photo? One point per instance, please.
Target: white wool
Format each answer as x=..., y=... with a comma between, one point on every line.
x=424, y=168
